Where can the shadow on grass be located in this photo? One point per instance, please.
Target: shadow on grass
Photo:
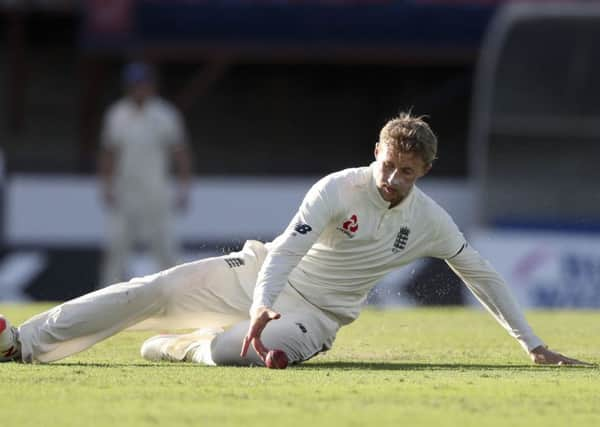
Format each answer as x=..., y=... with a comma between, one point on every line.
x=124, y=365
x=393, y=366
x=338, y=366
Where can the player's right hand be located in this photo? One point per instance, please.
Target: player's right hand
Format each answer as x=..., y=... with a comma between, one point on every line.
x=258, y=321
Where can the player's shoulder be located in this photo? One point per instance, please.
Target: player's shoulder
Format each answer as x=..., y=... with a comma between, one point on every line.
x=350, y=177
x=118, y=112
x=428, y=208
x=162, y=106
x=340, y=187
x=118, y=107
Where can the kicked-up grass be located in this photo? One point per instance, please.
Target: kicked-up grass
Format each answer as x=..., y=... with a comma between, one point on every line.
x=409, y=367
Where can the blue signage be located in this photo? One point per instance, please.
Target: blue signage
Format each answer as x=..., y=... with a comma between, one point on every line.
x=332, y=24
x=577, y=284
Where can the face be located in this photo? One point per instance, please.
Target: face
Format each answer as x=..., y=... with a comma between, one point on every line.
x=396, y=172
x=141, y=91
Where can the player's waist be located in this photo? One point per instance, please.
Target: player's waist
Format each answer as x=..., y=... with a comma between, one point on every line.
x=339, y=280
x=343, y=303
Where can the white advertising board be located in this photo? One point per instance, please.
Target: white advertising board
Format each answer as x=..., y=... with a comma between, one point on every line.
x=67, y=211
x=545, y=269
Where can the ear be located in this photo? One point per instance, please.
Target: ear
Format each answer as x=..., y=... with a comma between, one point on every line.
x=427, y=169
x=376, y=150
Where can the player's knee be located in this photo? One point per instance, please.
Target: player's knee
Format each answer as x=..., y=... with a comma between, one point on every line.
x=175, y=282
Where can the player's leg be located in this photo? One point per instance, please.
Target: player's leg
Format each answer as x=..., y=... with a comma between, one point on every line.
x=79, y=323
x=179, y=348
x=198, y=294
x=118, y=246
x=301, y=335
x=162, y=239
x=9, y=344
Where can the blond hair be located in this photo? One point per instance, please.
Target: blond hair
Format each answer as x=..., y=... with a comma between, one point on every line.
x=408, y=133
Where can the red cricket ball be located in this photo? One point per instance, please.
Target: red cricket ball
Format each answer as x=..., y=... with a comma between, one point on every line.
x=276, y=359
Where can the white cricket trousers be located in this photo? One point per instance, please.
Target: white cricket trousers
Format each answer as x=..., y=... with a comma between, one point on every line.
x=150, y=223
x=210, y=293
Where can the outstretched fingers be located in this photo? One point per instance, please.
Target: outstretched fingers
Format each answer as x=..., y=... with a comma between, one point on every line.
x=254, y=331
x=257, y=325
x=245, y=345
x=564, y=360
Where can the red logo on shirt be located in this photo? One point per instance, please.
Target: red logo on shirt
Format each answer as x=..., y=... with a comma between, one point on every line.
x=351, y=224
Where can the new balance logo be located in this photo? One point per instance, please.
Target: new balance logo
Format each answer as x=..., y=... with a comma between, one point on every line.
x=302, y=228
x=234, y=262
x=401, y=239
x=302, y=327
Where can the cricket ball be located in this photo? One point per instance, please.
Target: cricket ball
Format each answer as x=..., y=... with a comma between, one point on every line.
x=276, y=359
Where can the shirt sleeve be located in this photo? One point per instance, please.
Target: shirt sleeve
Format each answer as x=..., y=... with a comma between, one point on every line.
x=482, y=280
x=493, y=293
x=448, y=240
x=315, y=212
x=175, y=132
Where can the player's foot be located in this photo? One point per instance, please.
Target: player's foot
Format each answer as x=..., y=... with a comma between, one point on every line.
x=152, y=349
x=10, y=348
x=177, y=348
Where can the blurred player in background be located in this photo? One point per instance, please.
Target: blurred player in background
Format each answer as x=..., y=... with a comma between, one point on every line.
x=293, y=294
x=142, y=133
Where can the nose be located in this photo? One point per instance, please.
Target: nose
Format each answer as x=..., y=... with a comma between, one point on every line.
x=394, y=178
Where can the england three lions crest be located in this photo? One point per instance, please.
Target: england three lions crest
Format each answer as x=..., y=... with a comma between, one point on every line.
x=401, y=239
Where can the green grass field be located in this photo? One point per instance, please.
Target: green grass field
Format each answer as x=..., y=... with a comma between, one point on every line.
x=437, y=367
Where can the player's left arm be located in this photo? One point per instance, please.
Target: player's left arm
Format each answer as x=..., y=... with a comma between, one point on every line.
x=493, y=293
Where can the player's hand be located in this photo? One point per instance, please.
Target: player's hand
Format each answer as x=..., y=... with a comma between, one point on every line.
x=542, y=355
x=259, y=320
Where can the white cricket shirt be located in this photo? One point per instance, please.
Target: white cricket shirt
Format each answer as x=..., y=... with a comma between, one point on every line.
x=345, y=238
x=142, y=138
